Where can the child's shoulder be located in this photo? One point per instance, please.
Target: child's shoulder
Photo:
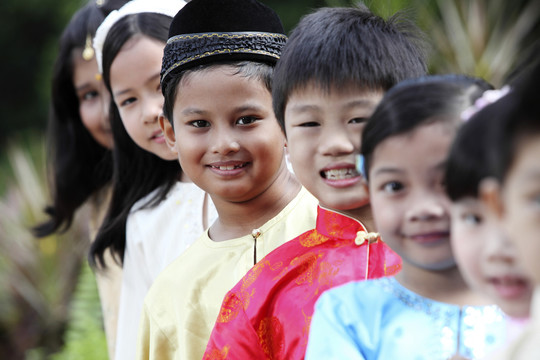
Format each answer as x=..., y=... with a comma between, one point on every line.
x=357, y=295
x=302, y=201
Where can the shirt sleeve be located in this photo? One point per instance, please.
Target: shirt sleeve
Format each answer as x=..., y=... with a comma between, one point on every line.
x=152, y=343
x=233, y=336
x=329, y=336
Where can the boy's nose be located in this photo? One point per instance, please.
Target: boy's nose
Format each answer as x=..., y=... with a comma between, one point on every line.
x=337, y=142
x=224, y=142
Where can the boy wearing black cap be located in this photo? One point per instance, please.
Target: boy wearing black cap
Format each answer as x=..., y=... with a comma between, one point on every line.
x=334, y=70
x=216, y=76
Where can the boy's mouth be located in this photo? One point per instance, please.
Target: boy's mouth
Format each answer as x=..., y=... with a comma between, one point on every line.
x=339, y=174
x=229, y=167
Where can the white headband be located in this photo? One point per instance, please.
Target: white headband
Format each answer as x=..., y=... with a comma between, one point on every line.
x=165, y=7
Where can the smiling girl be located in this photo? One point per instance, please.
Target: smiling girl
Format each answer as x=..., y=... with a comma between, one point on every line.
x=80, y=142
x=426, y=311
x=155, y=212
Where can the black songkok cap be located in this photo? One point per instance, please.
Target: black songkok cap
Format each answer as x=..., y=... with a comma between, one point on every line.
x=208, y=31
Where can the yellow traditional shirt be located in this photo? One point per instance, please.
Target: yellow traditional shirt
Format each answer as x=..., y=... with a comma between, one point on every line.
x=183, y=303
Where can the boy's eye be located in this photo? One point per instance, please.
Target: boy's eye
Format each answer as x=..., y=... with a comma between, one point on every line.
x=472, y=219
x=358, y=120
x=246, y=120
x=199, y=123
x=392, y=187
x=309, y=124
x=128, y=101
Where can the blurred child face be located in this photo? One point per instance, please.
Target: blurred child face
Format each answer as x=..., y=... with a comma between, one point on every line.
x=521, y=202
x=408, y=200
x=94, y=99
x=487, y=259
x=324, y=129
x=137, y=93
x=226, y=135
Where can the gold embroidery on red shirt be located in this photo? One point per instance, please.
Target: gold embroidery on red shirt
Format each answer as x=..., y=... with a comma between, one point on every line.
x=229, y=309
x=217, y=354
x=270, y=334
x=312, y=239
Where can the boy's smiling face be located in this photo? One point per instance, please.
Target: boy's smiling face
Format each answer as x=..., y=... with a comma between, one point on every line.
x=324, y=131
x=226, y=135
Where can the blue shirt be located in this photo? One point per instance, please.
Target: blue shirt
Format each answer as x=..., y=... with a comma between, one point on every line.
x=380, y=319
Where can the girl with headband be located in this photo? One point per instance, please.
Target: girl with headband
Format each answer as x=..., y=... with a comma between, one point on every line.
x=155, y=211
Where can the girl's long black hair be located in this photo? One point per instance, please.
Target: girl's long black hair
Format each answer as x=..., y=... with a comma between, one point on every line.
x=136, y=172
x=77, y=165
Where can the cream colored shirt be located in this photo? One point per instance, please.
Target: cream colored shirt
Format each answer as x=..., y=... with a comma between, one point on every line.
x=154, y=238
x=108, y=280
x=183, y=303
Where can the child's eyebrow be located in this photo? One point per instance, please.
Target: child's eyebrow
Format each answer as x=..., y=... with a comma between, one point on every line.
x=82, y=87
x=300, y=108
x=192, y=111
x=304, y=108
x=388, y=170
x=150, y=79
x=360, y=103
x=249, y=107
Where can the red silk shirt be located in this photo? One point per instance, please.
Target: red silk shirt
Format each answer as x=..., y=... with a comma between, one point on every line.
x=267, y=314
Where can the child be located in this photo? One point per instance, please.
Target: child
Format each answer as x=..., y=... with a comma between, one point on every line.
x=488, y=263
x=426, y=311
x=153, y=216
x=326, y=84
x=216, y=75
x=80, y=143
x=515, y=194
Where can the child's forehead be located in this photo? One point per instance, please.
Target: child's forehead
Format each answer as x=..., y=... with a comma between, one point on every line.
x=221, y=89
x=334, y=90
x=526, y=164
x=216, y=72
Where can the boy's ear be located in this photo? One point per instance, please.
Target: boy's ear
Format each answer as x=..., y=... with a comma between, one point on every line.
x=489, y=191
x=168, y=132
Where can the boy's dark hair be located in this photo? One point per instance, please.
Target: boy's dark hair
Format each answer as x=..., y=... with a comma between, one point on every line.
x=515, y=117
x=467, y=161
x=418, y=102
x=136, y=172
x=259, y=71
x=336, y=47
x=78, y=165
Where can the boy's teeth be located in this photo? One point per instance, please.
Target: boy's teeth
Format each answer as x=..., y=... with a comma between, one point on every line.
x=338, y=174
x=229, y=167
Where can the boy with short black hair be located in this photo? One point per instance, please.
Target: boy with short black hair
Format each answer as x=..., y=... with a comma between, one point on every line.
x=335, y=68
x=216, y=76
